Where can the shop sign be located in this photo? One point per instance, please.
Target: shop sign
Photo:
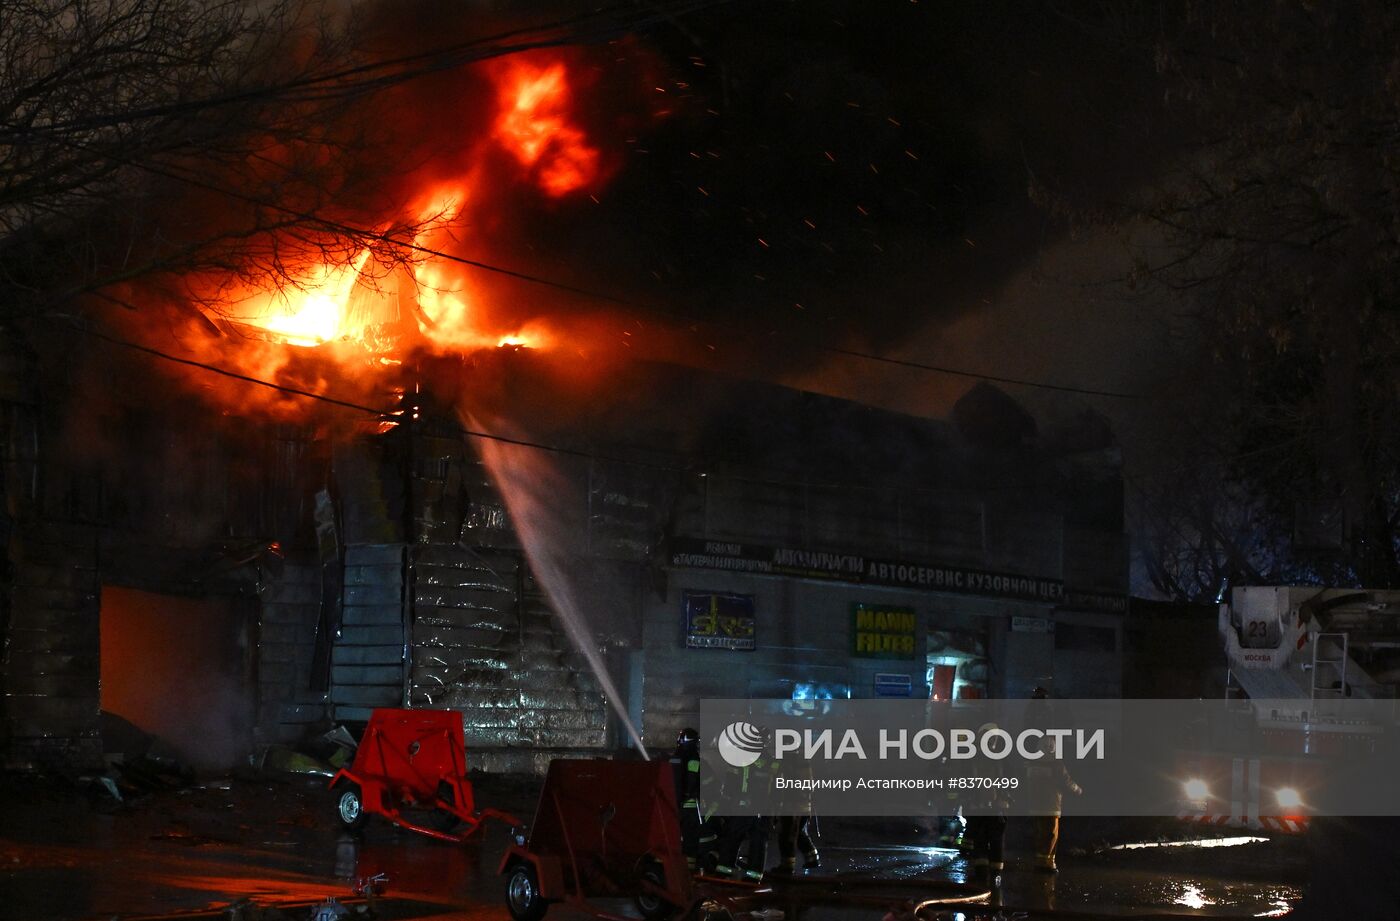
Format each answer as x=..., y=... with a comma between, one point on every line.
x=882, y=631
x=716, y=620
x=1107, y=602
x=728, y=556
x=893, y=685
x=1021, y=624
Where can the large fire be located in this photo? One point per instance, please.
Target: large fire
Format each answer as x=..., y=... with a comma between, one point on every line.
x=314, y=310
x=535, y=126
x=362, y=310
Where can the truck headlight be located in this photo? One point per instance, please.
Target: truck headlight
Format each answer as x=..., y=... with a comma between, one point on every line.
x=1288, y=798
x=1196, y=789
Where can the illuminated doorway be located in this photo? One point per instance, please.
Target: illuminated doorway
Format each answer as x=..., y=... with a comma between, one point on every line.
x=958, y=666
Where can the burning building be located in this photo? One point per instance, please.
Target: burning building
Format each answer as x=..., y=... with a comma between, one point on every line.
x=232, y=583
x=340, y=461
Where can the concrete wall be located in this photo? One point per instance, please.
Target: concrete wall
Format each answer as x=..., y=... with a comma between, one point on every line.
x=1088, y=654
x=804, y=626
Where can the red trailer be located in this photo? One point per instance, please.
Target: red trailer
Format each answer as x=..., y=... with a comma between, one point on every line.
x=604, y=829
x=412, y=760
x=611, y=829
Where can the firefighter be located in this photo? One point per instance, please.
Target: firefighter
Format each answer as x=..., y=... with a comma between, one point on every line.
x=951, y=828
x=685, y=766
x=755, y=856
x=793, y=836
x=792, y=826
x=988, y=833
x=949, y=824
x=987, y=824
x=1035, y=711
x=1047, y=781
x=747, y=833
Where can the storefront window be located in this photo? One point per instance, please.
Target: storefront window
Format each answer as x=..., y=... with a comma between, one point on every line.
x=957, y=665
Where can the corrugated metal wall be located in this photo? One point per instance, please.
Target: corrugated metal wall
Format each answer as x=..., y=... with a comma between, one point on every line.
x=485, y=643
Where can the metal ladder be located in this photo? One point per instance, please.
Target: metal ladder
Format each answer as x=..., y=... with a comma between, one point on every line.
x=1329, y=665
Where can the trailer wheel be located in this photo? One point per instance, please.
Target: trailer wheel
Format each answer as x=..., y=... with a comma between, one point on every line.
x=523, y=898
x=653, y=907
x=350, y=807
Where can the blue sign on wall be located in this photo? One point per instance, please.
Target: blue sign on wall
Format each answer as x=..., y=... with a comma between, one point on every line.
x=888, y=684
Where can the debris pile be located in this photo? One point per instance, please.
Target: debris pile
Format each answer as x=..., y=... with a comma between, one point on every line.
x=321, y=754
x=136, y=762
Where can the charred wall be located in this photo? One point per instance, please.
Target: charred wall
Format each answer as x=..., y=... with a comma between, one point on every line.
x=50, y=656
x=289, y=702
x=138, y=488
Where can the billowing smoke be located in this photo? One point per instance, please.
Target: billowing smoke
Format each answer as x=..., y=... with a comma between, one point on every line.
x=731, y=188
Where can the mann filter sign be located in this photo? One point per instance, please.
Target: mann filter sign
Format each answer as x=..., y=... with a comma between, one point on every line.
x=694, y=553
x=715, y=620
x=882, y=631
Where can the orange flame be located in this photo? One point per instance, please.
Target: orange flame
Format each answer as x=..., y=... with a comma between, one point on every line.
x=345, y=321
x=336, y=303
x=313, y=311
x=534, y=125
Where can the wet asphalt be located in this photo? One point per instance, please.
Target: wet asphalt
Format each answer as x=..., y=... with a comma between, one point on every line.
x=67, y=853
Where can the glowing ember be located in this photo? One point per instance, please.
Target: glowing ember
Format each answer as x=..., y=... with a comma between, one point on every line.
x=534, y=125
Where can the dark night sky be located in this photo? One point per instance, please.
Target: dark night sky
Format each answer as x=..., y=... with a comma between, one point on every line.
x=791, y=177
x=870, y=162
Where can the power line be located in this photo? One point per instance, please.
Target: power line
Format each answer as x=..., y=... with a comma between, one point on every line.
x=760, y=477
x=190, y=362
x=452, y=56
x=603, y=22
x=395, y=416
x=531, y=278
x=957, y=372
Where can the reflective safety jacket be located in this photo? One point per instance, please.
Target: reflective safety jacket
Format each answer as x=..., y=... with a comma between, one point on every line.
x=685, y=767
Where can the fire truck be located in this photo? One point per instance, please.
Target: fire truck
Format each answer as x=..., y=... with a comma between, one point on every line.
x=1294, y=654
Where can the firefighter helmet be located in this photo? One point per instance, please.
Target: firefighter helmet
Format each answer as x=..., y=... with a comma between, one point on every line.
x=688, y=736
